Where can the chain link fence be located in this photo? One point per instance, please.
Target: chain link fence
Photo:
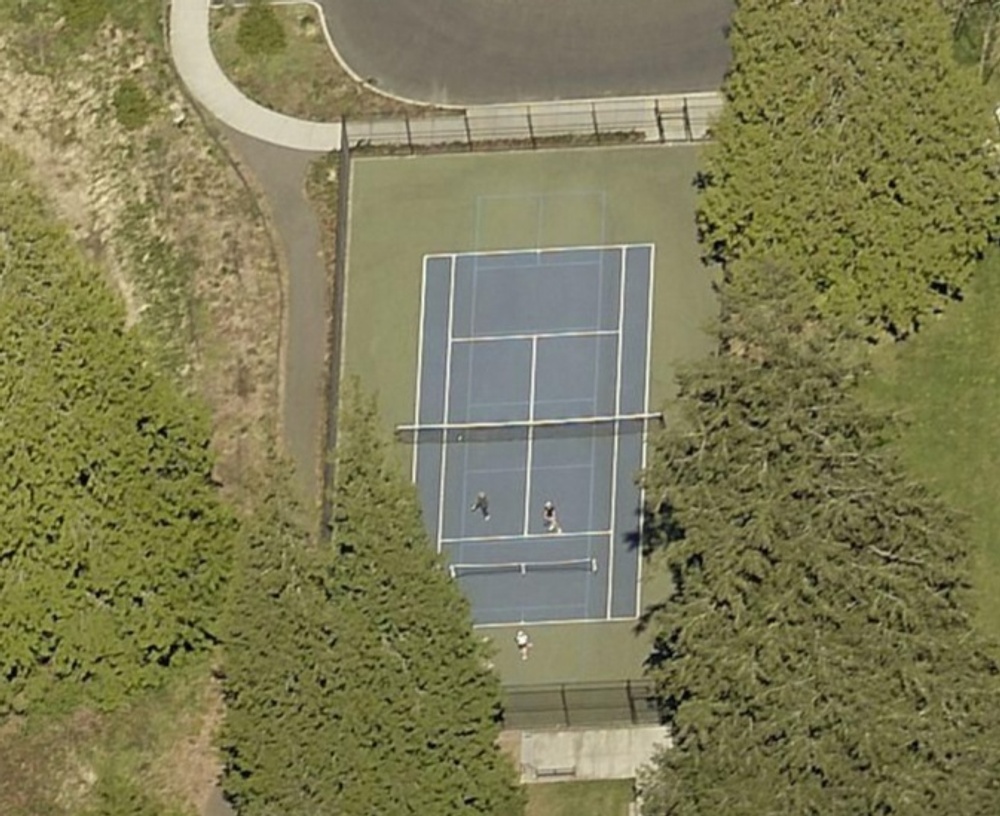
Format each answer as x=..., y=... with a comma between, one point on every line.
x=570, y=705
x=681, y=119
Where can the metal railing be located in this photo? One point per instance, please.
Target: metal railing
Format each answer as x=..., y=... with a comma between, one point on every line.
x=677, y=119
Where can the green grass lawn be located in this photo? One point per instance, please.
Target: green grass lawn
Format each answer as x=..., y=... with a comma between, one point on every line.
x=580, y=798
x=946, y=382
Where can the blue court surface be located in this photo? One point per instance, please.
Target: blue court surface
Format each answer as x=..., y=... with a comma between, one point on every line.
x=533, y=387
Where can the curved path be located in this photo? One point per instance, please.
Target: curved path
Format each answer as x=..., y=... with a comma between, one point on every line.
x=191, y=50
x=473, y=52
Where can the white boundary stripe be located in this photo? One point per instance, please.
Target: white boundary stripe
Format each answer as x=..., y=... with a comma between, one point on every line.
x=447, y=400
x=519, y=537
x=570, y=333
x=645, y=432
x=614, y=441
x=559, y=622
x=531, y=435
x=486, y=253
x=420, y=362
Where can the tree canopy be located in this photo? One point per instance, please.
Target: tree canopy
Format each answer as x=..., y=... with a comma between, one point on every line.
x=113, y=542
x=354, y=682
x=816, y=655
x=852, y=143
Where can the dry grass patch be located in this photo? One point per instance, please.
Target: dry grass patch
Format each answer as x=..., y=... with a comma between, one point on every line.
x=301, y=79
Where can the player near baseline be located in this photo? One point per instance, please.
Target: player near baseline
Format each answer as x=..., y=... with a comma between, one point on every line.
x=550, y=518
x=482, y=505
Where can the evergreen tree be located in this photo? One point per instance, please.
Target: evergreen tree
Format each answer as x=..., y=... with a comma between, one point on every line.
x=354, y=682
x=429, y=713
x=816, y=656
x=279, y=736
x=852, y=143
x=113, y=543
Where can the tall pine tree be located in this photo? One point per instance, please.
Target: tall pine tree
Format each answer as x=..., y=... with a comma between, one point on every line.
x=816, y=656
x=354, y=681
x=114, y=545
x=852, y=144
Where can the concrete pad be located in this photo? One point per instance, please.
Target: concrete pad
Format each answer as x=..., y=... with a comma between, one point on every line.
x=606, y=753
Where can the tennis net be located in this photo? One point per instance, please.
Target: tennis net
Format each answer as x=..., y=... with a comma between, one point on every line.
x=524, y=567
x=513, y=431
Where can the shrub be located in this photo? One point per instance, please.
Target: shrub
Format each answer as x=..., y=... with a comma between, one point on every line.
x=260, y=31
x=132, y=107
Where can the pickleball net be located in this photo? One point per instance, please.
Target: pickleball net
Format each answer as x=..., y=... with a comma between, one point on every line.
x=452, y=433
x=523, y=567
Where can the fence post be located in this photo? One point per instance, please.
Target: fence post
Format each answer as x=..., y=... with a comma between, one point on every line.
x=334, y=338
x=531, y=127
x=409, y=133
x=688, y=133
x=659, y=120
x=468, y=130
x=593, y=116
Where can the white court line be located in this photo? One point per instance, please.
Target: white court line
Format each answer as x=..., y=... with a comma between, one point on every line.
x=645, y=433
x=489, y=253
x=571, y=333
x=561, y=622
x=521, y=469
x=420, y=363
x=614, y=440
x=447, y=400
x=531, y=435
x=520, y=537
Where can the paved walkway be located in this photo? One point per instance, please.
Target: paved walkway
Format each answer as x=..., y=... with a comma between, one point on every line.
x=476, y=52
x=195, y=61
x=589, y=753
x=656, y=117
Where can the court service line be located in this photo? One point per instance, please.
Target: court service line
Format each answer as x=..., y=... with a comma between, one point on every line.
x=520, y=537
x=521, y=469
x=447, y=401
x=487, y=253
x=531, y=435
x=561, y=621
x=645, y=434
x=570, y=333
x=420, y=364
x=614, y=441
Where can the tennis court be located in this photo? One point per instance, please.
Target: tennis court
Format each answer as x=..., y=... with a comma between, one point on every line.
x=533, y=387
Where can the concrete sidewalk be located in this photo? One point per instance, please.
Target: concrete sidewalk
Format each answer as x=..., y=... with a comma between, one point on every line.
x=192, y=54
x=589, y=753
x=656, y=118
